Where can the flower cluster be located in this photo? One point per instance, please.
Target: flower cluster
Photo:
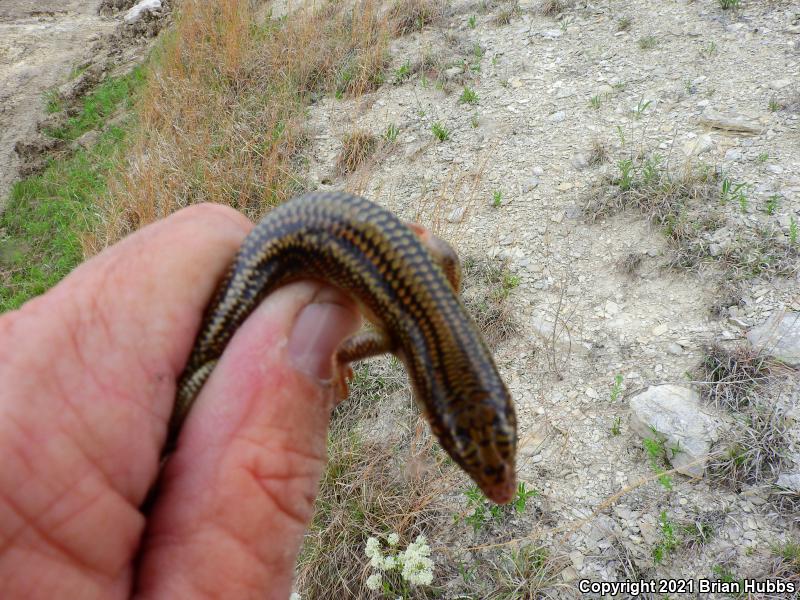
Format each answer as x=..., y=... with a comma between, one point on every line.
x=417, y=564
x=413, y=563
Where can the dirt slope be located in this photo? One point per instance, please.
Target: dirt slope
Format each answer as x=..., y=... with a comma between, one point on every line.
x=41, y=41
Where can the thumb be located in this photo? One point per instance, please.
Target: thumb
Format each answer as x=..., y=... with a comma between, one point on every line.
x=237, y=495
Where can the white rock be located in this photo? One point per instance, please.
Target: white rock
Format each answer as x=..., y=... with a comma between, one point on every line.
x=660, y=329
x=457, y=214
x=731, y=122
x=569, y=574
x=698, y=146
x=580, y=161
x=779, y=337
x=733, y=155
x=611, y=308
x=530, y=184
x=577, y=559
x=687, y=427
x=138, y=10
x=779, y=84
x=790, y=481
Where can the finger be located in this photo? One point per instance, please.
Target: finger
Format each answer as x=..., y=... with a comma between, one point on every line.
x=238, y=494
x=88, y=374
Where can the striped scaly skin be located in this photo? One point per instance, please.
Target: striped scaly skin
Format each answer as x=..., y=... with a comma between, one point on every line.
x=383, y=264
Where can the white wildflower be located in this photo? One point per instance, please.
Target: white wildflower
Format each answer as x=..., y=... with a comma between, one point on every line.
x=389, y=563
x=374, y=581
x=393, y=539
x=295, y=596
x=373, y=547
x=417, y=566
x=373, y=552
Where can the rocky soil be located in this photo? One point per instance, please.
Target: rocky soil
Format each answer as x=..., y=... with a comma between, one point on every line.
x=61, y=48
x=694, y=83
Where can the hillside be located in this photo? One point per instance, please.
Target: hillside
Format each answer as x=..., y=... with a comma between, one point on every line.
x=622, y=180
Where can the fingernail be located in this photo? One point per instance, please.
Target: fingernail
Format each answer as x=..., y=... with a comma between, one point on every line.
x=317, y=333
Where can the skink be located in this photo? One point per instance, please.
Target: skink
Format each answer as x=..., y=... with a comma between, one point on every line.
x=406, y=282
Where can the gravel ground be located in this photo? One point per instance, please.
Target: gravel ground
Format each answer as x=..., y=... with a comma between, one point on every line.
x=512, y=180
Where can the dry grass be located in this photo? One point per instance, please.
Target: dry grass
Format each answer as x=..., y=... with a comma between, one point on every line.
x=552, y=8
x=406, y=16
x=529, y=571
x=486, y=287
x=630, y=263
x=222, y=115
x=507, y=14
x=756, y=392
x=785, y=563
x=729, y=376
x=357, y=147
x=662, y=194
x=700, y=225
x=370, y=488
x=757, y=447
x=598, y=153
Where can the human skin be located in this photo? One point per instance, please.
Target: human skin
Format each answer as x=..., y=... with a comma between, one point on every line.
x=88, y=374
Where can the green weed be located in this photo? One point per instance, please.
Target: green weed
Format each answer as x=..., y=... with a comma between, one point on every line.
x=391, y=133
x=402, y=73
x=641, y=107
x=730, y=191
x=45, y=216
x=709, y=49
x=772, y=204
x=648, y=42
x=657, y=455
x=53, y=103
x=99, y=105
x=669, y=540
x=468, y=96
x=521, y=498
x=440, y=132
x=616, y=388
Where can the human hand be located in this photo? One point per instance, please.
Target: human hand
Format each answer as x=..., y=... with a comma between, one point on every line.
x=88, y=374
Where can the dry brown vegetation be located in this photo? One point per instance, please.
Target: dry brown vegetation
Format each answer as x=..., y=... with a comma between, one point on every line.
x=756, y=391
x=406, y=16
x=380, y=478
x=552, y=7
x=357, y=147
x=222, y=115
